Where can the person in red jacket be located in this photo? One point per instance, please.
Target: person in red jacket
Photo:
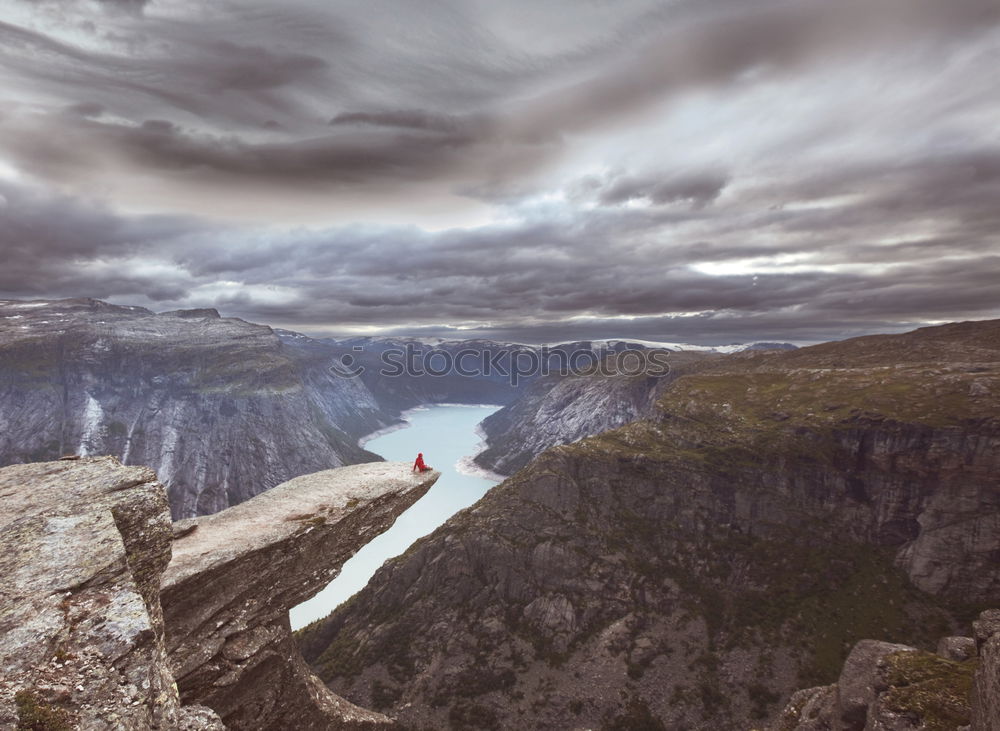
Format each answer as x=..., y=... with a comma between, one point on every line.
x=419, y=465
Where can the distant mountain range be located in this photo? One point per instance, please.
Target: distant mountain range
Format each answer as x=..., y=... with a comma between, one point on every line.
x=221, y=408
x=602, y=345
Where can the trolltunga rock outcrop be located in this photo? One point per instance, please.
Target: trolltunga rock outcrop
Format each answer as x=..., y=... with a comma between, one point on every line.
x=85, y=642
x=235, y=574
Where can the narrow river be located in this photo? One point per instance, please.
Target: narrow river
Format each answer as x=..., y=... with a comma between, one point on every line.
x=447, y=437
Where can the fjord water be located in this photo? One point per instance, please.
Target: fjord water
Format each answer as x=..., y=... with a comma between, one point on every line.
x=447, y=437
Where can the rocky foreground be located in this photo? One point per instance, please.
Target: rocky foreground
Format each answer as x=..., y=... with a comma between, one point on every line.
x=111, y=617
x=694, y=569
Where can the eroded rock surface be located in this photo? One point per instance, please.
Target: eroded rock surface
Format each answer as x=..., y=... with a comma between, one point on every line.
x=986, y=695
x=887, y=687
x=83, y=545
x=562, y=409
x=235, y=574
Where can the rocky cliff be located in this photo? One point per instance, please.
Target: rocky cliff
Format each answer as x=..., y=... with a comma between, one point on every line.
x=986, y=690
x=612, y=391
x=693, y=569
x=105, y=603
x=219, y=407
x=82, y=548
x=224, y=409
x=891, y=687
x=560, y=409
x=234, y=576
x=484, y=371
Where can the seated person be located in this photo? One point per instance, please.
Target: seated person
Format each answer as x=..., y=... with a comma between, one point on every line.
x=419, y=465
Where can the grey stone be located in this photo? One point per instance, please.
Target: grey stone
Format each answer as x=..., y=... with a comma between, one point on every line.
x=103, y=607
x=199, y=718
x=957, y=648
x=986, y=691
x=861, y=681
x=83, y=545
x=811, y=709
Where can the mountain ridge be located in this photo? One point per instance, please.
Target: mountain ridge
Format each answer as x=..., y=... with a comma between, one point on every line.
x=218, y=406
x=700, y=565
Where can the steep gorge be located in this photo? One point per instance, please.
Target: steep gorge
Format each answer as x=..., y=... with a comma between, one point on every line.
x=560, y=409
x=700, y=565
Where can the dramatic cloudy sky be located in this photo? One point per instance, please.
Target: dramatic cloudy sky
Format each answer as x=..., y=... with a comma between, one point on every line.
x=701, y=170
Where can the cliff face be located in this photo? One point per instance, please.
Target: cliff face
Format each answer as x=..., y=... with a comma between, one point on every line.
x=224, y=409
x=82, y=548
x=103, y=608
x=234, y=576
x=217, y=406
x=699, y=566
x=560, y=409
x=892, y=687
x=563, y=409
x=986, y=692
x=484, y=371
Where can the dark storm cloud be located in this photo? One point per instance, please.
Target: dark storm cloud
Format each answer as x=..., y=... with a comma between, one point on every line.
x=235, y=88
x=416, y=119
x=701, y=171
x=59, y=244
x=132, y=6
x=700, y=189
x=172, y=150
x=602, y=274
x=186, y=70
x=729, y=38
x=85, y=109
x=126, y=5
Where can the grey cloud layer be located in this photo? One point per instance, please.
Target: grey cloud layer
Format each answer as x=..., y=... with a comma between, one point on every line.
x=554, y=278
x=509, y=106
x=716, y=170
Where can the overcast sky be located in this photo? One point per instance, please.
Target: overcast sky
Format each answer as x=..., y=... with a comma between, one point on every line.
x=709, y=171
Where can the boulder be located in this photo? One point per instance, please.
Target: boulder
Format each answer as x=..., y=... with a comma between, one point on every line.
x=958, y=649
x=986, y=691
x=861, y=681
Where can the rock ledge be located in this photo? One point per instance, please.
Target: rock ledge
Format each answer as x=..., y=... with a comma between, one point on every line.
x=103, y=606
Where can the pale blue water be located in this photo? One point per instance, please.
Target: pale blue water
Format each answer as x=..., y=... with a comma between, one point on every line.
x=446, y=435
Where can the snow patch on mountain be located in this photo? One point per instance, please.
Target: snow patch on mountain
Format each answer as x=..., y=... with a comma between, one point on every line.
x=93, y=414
